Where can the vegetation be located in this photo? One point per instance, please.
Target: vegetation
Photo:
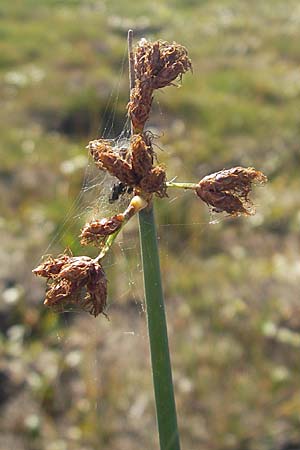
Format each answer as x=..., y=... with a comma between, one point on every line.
x=71, y=381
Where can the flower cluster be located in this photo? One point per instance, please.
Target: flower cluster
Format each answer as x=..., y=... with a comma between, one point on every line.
x=80, y=280
x=228, y=190
x=134, y=169
x=96, y=231
x=74, y=281
x=157, y=65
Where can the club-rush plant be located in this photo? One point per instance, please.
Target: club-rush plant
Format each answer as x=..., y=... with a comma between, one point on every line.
x=81, y=280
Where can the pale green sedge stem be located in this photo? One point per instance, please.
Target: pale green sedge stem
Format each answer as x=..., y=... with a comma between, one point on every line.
x=192, y=186
x=108, y=243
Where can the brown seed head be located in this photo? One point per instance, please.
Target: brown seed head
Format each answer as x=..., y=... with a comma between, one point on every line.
x=228, y=190
x=78, y=281
x=107, y=159
x=160, y=62
x=51, y=267
x=136, y=171
x=157, y=65
x=95, y=232
x=155, y=182
x=139, y=106
x=142, y=155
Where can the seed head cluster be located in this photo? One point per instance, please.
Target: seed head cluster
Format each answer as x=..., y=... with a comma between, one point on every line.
x=228, y=190
x=157, y=65
x=135, y=168
x=74, y=281
x=79, y=280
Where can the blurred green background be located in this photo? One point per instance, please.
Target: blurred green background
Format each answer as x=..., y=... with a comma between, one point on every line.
x=70, y=381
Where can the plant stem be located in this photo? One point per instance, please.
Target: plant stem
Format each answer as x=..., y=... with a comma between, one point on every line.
x=158, y=336
x=182, y=185
x=108, y=243
x=156, y=318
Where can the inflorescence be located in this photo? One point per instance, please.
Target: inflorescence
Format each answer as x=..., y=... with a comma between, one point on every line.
x=80, y=280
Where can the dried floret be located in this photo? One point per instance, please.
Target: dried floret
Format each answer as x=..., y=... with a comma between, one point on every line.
x=139, y=106
x=136, y=171
x=96, y=231
x=142, y=155
x=107, y=159
x=77, y=281
x=157, y=65
x=52, y=266
x=155, y=182
x=161, y=62
x=228, y=190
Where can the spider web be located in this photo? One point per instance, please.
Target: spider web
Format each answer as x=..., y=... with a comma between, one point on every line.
x=94, y=200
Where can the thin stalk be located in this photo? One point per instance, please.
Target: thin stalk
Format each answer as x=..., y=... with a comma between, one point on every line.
x=156, y=319
x=108, y=243
x=182, y=185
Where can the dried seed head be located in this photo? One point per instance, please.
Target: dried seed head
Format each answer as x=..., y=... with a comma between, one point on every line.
x=160, y=62
x=51, y=267
x=142, y=155
x=139, y=106
x=78, y=281
x=228, y=190
x=95, y=232
x=155, y=182
x=136, y=171
x=157, y=65
x=107, y=159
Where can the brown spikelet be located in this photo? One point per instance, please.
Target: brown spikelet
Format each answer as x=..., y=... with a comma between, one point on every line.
x=79, y=281
x=160, y=62
x=142, y=155
x=139, y=106
x=157, y=65
x=107, y=159
x=228, y=190
x=155, y=182
x=51, y=267
x=95, y=232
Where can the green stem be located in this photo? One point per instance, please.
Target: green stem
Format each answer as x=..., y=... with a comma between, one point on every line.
x=108, y=243
x=182, y=185
x=158, y=336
